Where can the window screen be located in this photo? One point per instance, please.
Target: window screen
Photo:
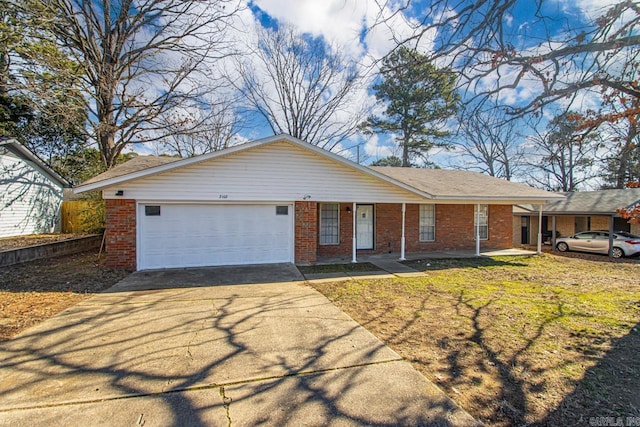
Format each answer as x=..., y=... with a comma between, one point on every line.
x=329, y=223
x=481, y=218
x=427, y=223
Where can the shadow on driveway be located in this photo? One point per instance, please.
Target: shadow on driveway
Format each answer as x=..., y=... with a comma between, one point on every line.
x=197, y=351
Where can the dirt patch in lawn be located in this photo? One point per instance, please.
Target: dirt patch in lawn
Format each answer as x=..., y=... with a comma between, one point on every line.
x=541, y=340
x=11, y=243
x=337, y=268
x=34, y=291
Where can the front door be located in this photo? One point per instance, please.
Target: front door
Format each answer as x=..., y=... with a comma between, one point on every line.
x=364, y=226
x=524, y=235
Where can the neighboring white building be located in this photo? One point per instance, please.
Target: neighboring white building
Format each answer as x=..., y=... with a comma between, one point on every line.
x=30, y=192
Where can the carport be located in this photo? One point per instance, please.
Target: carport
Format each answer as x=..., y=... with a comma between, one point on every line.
x=581, y=211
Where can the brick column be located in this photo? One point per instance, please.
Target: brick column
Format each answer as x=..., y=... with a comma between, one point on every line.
x=120, y=232
x=306, y=232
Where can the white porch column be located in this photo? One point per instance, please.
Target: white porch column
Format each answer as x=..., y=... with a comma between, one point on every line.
x=355, y=239
x=611, y=230
x=540, y=229
x=404, y=210
x=477, y=208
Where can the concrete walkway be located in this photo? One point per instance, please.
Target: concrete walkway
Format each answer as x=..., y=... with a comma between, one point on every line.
x=388, y=265
x=451, y=254
x=186, y=347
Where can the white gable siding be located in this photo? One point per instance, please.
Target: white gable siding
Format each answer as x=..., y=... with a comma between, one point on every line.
x=29, y=200
x=276, y=172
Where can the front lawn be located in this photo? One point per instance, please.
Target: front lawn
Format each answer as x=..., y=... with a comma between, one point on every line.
x=544, y=340
x=33, y=291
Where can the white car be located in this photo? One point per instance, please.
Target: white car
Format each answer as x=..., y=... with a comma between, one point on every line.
x=624, y=244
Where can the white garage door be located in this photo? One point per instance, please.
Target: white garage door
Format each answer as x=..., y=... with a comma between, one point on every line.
x=173, y=235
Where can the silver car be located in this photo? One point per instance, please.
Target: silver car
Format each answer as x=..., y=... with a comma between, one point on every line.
x=624, y=244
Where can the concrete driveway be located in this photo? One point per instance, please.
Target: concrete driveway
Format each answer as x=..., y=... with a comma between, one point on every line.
x=217, y=346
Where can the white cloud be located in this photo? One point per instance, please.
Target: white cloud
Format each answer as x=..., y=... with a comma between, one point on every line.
x=375, y=148
x=508, y=19
x=359, y=27
x=338, y=21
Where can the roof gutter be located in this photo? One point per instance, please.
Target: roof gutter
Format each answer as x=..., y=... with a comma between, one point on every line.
x=579, y=213
x=514, y=199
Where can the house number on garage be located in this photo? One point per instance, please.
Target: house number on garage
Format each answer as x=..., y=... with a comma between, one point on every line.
x=223, y=196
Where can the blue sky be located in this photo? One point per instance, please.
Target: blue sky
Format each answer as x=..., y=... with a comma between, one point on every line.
x=348, y=23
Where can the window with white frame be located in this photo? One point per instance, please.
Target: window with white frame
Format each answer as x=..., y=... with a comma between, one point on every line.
x=481, y=218
x=427, y=223
x=329, y=223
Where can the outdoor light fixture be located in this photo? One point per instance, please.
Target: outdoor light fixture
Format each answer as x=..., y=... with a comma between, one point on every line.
x=348, y=208
x=306, y=197
x=120, y=193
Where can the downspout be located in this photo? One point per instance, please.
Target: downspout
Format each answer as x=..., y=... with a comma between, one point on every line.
x=402, y=240
x=355, y=239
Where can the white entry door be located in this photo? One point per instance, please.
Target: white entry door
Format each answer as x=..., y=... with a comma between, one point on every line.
x=364, y=226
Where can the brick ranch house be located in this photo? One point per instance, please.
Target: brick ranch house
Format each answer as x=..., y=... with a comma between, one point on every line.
x=280, y=199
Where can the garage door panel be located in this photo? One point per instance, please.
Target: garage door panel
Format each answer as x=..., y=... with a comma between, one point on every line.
x=203, y=235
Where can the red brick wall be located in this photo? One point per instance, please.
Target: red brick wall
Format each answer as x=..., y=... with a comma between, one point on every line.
x=120, y=241
x=388, y=228
x=454, y=230
x=306, y=232
x=388, y=224
x=500, y=227
x=346, y=234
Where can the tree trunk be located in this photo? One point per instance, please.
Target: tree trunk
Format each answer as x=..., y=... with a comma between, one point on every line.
x=108, y=149
x=405, y=146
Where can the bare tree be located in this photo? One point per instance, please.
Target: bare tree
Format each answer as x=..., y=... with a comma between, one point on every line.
x=599, y=56
x=562, y=158
x=140, y=60
x=301, y=86
x=201, y=131
x=490, y=144
x=622, y=165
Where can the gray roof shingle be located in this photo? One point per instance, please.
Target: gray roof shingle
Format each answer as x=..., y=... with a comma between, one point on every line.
x=136, y=164
x=593, y=202
x=443, y=183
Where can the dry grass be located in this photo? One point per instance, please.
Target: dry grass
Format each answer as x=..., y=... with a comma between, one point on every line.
x=34, y=291
x=544, y=340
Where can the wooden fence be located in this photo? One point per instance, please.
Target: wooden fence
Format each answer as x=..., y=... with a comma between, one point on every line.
x=82, y=216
